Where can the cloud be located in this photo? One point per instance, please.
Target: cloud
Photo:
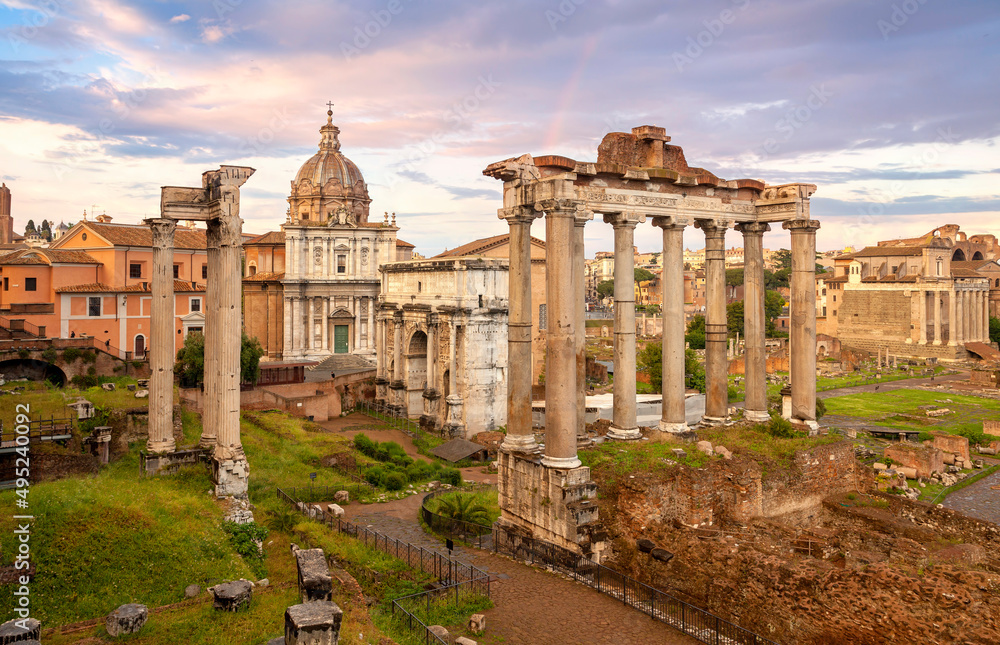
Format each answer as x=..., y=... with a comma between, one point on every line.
x=183, y=17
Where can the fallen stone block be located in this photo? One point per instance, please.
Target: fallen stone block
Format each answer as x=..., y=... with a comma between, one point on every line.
x=263, y=582
x=705, y=447
x=131, y=387
x=108, y=387
x=440, y=632
x=232, y=596
x=679, y=453
x=477, y=623
x=313, y=623
x=10, y=632
x=315, y=582
x=191, y=591
x=462, y=640
x=127, y=619
x=342, y=497
x=880, y=466
x=645, y=545
x=142, y=394
x=336, y=510
x=661, y=554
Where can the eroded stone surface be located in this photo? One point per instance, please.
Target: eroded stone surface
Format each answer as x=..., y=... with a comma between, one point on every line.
x=315, y=582
x=13, y=631
x=127, y=619
x=232, y=596
x=313, y=623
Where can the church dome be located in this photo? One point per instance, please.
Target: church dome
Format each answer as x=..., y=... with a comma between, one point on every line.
x=327, y=182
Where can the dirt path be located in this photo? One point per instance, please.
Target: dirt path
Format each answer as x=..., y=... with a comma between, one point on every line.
x=892, y=385
x=980, y=500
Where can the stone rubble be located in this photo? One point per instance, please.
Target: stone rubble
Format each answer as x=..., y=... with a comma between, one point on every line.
x=127, y=619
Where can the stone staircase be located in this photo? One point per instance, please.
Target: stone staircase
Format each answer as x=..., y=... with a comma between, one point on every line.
x=341, y=364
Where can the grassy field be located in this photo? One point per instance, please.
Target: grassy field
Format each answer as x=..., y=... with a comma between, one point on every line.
x=902, y=409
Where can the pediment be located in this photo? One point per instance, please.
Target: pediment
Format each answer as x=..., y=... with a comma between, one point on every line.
x=342, y=313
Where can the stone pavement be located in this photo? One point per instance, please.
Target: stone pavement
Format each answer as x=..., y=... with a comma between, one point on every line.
x=980, y=500
x=532, y=606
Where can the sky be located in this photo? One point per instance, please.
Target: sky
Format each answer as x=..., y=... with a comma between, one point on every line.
x=889, y=106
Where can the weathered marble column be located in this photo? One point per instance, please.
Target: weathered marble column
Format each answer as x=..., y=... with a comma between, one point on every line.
x=454, y=424
x=286, y=324
x=959, y=317
x=161, y=339
x=432, y=325
x=213, y=329
x=623, y=425
x=520, y=436
x=952, y=318
x=397, y=348
x=325, y=326
x=984, y=316
x=579, y=289
x=755, y=359
x=936, y=295
x=562, y=422
x=357, y=324
x=922, y=315
x=803, y=320
x=716, y=365
x=673, y=418
x=230, y=468
x=369, y=343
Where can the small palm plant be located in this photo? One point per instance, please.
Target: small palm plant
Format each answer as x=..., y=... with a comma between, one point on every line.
x=463, y=507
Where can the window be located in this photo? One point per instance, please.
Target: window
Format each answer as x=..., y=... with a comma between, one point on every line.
x=204, y=272
x=6, y=284
x=824, y=312
x=93, y=306
x=177, y=271
x=194, y=330
x=542, y=316
x=195, y=304
x=835, y=297
x=341, y=264
x=84, y=237
x=253, y=269
x=135, y=270
x=30, y=284
x=824, y=292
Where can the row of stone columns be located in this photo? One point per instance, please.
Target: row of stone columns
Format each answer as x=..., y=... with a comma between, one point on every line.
x=564, y=342
x=968, y=316
x=397, y=379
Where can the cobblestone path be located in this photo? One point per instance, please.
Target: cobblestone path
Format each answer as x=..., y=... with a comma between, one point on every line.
x=980, y=500
x=532, y=606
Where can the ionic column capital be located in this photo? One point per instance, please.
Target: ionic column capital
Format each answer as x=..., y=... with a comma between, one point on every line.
x=753, y=228
x=624, y=219
x=801, y=225
x=671, y=223
x=518, y=214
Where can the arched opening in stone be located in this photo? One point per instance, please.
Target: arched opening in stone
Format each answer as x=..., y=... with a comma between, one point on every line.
x=416, y=373
x=958, y=256
x=33, y=370
x=978, y=255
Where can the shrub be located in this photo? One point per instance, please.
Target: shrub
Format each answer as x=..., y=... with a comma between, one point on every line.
x=382, y=453
x=50, y=355
x=88, y=356
x=246, y=538
x=23, y=353
x=395, y=481
x=375, y=476
x=70, y=354
x=83, y=382
x=820, y=409
x=365, y=445
x=136, y=364
x=91, y=371
x=924, y=436
x=419, y=471
x=781, y=428
x=452, y=476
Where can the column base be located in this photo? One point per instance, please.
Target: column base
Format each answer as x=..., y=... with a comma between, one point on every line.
x=756, y=416
x=524, y=443
x=937, y=342
x=809, y=425
x=624, y=434
x=231, y=476
x=714, y=421
x=207, y=442
x=562, y=463
x=160, y=447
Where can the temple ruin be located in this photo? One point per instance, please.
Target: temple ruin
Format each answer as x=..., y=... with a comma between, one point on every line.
x=217, y=203
x=545, y=492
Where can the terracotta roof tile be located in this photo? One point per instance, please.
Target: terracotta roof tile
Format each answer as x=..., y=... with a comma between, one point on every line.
x=403, y=244
x=264, y=277
x=884, y=251
x=141, y=235
x=180, y=286
x=476, y=247
x=269, y=238
x=48, y=256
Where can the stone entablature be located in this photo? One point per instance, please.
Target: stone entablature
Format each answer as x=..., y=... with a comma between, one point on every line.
x=442, y=343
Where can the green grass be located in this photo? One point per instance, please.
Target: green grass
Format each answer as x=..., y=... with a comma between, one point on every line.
x=489, y=499
x=756, y=440
x=615, y=459
x=894, y=409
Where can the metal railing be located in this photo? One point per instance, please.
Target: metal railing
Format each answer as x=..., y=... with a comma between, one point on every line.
x=658, y=605
x=40, y=429
x=324, y=493
x=425, y=597
x=478, y=535
x=18, y=324
x=392, y=417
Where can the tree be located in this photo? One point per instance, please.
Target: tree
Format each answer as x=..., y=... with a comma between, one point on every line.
x=695, y=335
x=774, y=303
x=734, y=277
x=45, y=230
x=734, y=318
x=29, y=228
x=190, y=366
x=994, y=330
x=782, y=258
x=641, y=275
x=606, y=289
x=650, y=361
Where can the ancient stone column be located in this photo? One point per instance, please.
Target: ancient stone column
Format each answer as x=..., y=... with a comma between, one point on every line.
x=579, y=268
x=716, y=365
x=755, y=359
x=959, y=316
x=952, y=318
x=324, y=327
x=161, y=345
x=454, y=423
x=213, y=327
x=623, y=425
x=231, y=469
x=369, y=343
x=357, y=324
x=520, y=436
x=562, y=422
x=803, y=320
x=936, y=295
x=432, y=325
x=922, y=307
x=397, y=348
x=984, y=318
x=673, y=418
x=286, y=324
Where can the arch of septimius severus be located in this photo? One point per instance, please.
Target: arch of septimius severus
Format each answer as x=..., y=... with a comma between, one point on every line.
x=546, y=494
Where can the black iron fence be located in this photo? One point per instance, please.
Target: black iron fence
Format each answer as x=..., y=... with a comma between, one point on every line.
x=51, y=429
x=313, y=494
x=658, y=605
x=390, y=416
x=406, y=608
x=478, y=535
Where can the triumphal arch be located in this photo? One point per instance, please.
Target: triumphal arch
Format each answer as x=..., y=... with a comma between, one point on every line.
x=546, y=495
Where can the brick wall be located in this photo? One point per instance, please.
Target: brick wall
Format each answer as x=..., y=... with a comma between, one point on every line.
x=924, y=459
